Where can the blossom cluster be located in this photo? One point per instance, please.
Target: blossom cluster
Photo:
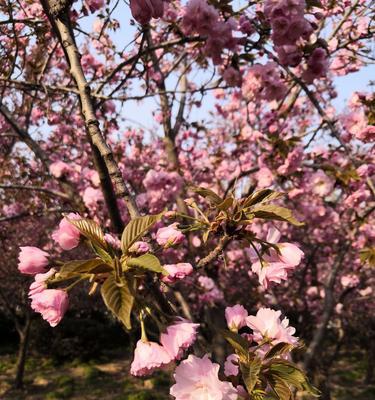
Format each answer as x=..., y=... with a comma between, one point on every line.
x=204, y=19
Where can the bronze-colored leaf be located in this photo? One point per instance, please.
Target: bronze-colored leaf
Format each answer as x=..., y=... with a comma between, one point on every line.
x=261, y=196
x=250, y=372
x=118, y=299
x=239, y=343
x=76, y=267
x=148, y=262
x=272, y=212
x=208, y=194
x=91, y=230
x=137, y=228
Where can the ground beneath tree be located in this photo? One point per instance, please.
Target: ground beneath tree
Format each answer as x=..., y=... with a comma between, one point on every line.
x=110, y=380
x=45, y=380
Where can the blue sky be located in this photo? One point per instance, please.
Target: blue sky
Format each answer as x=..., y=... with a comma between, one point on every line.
x=142, y=112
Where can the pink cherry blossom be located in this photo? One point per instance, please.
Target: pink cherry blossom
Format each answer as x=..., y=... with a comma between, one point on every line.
x=290, y=254
x=197, y=378
x=59, y=168
x=147, y=357
x=51, y=304
x=177, y=271
x=267, y=324
x=179, y=337
x=236, y=317
x=67, y=235
x=139, y=247
x=169, y=235
x=112, y=240
x=39, y=283
x=321, y=184
x=231, y=367
x=144, y=10
x=32, y=260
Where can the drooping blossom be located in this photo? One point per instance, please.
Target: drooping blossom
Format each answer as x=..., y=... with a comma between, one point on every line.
x=274, y=266
x=32, y=260
x=51, y=304
x=147, y=357
x=39, y=283
x=236, y=317
x=231, y=367
x=169, y=235
x=177, y=271
x=267, y=324
x=139, y=247
x=112, y=240
x=179, y=337
x=197, y=379
x=67, y=235
x=144, y=10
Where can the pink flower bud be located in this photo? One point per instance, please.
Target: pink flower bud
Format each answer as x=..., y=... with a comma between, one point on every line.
x=67, y=235
x=39, y=283
x=112, y=240
x=236, y=317
x=52, y=304
x=139, y=247
x=177, y=271
x=32, y=260
x=179, y=337
x=169, y=235
x=144, y=10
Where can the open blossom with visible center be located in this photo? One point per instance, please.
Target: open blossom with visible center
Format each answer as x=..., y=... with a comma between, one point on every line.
x=144, y=10
x=32, y=260
x=169, y=235
x=39, y=283
x=236, y=317
x=177, y=271
x=51, y=304
x=275, y=266
x=197, y=379
x=179, y=337
x=67, y=235
x=267, y=324
x=147, y=357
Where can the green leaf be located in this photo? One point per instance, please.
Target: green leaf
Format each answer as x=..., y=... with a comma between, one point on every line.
x=367, y=255
x=239, y=343
x=118, y=299
x=280, y=387
x=261, y=196
x=208, y=194
x=250, y=373
x=146, y=261
x=278, y=350
x=76, y=267
x=226, y=204
x=272, y=212
x=137, y=228
x=91, y=230
x=292, y=375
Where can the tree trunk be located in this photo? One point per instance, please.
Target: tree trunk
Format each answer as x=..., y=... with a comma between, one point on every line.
x=24, y=333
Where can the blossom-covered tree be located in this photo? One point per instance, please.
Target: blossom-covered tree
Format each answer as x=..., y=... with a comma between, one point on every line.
x=260, y=208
